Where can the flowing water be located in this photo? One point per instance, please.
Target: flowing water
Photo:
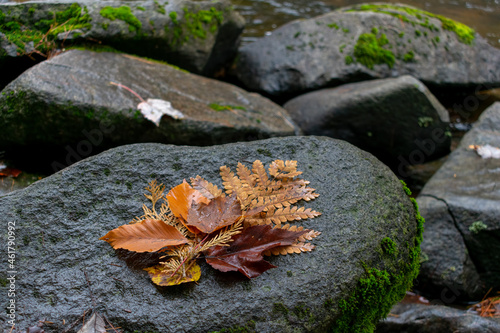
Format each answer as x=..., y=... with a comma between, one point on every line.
x=265, y=16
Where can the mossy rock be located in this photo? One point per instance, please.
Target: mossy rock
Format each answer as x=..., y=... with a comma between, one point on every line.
x=198, y=36
x=369, y=41
x=346, y=284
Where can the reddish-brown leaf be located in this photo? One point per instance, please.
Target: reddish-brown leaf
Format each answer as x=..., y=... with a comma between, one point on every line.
x=219, y=213
x=146, y=236
x=9, y=172
x=181, y=197
x=245, y=253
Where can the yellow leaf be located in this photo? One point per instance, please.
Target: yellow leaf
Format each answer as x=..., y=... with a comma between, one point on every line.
x=162, y=277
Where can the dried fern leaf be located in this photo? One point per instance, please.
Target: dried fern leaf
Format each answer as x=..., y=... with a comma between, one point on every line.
x=297, y=247
x=206, y=188
x=309, y=236
x=261, y=177
x=156, y=191
x=233, y=184
x=280, y=170
x=245, y=175
x=290, y=213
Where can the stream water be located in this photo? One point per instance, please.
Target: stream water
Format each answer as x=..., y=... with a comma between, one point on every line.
x=265, y=16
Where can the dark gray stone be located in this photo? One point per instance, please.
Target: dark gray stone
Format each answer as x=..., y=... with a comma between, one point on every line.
x=419, y=318
x=462, y=260
x=69, y=99
x=59, y=221
x=202, y=36
x=390, y=118
x=310, y=54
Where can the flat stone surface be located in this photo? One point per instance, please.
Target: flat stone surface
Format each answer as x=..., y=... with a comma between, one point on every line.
x=59, y=220
x=397, y=120
x=463, y=191
x=306, y=55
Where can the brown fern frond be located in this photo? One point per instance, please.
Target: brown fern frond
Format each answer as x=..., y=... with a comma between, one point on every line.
x=297, y=247
x=233, y=184
x=290, y=213
x=207, y=189
x=156, y=191
x=246, y=176
x=309, y=236
x=280, y=170
x=262, y=180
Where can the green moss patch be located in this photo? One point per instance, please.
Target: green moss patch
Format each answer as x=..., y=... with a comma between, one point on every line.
x=369, y=50
x=194, y=25
x=419, y=17
x=379, y=290
x=19, y=28
x=219, y=107
x=389, y=246
x=123, y=13
x=409, y=56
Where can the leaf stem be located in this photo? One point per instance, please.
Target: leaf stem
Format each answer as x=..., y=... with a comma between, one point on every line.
x=128, y=89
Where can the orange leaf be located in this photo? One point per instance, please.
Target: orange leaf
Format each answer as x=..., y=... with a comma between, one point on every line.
x=9, y=172
x=219, y=213
x=181, y=197
x=163, y=277
x=146, y=236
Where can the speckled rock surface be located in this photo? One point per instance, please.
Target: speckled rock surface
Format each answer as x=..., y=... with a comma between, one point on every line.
x=461, y=206
x=68, y=103
x=394, y=119
x=363, y=42
x=59, y=219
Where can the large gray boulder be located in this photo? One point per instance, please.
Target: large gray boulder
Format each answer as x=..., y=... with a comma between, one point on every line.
x=200, y=36
x=395, y=119
x=420, y=318
x=364, y=261
x=68, y=106
x=461, y=204
x=368, y=41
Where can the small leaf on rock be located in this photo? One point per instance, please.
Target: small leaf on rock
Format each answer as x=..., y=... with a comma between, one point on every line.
x=219, y=213
x=181, y=197
x=154, y=109
x=163, y=277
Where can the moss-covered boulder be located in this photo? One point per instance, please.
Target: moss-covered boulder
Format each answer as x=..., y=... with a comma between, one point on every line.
x=81, y=102
x=366, y=42
x=398, y=120
x=200, y=36
x=364, y=261
x=461, y=204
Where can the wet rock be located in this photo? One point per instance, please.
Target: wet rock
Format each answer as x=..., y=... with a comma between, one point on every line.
x=368, y=41
x=397, y=120
x=418, y=318
x=367, y=253
x=201, y=37
x=461, y=207
x=70, y=107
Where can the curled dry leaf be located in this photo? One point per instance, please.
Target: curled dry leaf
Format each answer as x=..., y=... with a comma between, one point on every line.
x=181, y=197
x=244, y=254
x=146, y=236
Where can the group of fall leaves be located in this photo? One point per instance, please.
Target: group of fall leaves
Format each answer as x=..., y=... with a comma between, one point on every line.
x=233, y=230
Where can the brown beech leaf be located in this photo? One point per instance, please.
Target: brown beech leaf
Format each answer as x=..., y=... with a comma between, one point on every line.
x=219, y=213
x=206, y=188
x=244, y=254
x=146, y=236
x=163, y=277
x=181, y=197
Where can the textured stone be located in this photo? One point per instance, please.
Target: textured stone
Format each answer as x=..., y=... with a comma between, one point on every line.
x=59, y=220
x=66, y=108
x=462, y=261
x=418, y=318
x=310, y=54
x=390, y=118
